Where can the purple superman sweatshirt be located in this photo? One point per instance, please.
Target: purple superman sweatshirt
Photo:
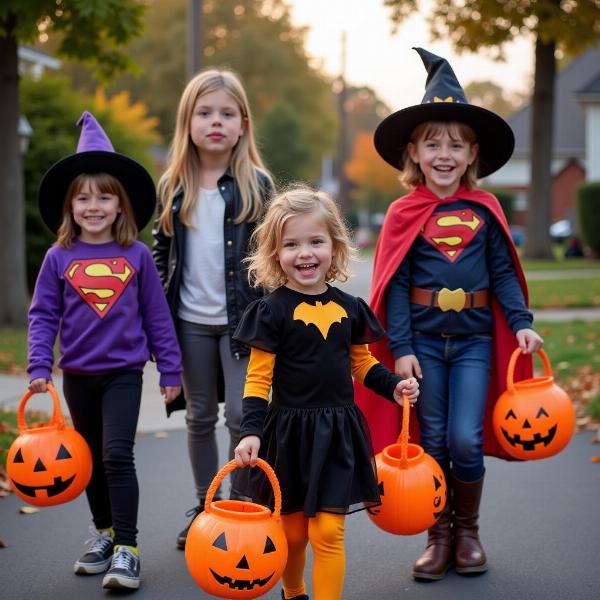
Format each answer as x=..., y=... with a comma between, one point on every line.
x=107, y=305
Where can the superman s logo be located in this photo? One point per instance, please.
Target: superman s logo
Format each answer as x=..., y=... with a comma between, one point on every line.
x=100, y=281
x=451, y=232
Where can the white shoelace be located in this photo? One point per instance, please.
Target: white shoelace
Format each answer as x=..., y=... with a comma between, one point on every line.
x=124, y=559
x=99, y=540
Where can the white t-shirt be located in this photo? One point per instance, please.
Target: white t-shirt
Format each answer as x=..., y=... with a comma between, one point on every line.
x=202, y=291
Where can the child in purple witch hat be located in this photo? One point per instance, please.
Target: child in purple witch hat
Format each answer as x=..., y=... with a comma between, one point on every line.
x=99, y=286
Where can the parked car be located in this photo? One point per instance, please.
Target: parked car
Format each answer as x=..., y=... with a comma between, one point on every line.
x=559, y=232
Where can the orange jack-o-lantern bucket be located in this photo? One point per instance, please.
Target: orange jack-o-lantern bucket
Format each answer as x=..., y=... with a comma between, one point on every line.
x=237, y=549
x=412, y=486
x=534, y=418
x=51, y=464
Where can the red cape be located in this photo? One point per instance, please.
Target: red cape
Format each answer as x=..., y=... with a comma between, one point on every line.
x=403, y=222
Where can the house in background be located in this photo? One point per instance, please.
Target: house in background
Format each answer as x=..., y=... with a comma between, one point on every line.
x=576, y=143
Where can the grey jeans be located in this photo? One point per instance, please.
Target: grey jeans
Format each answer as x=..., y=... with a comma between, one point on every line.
x=205, y=349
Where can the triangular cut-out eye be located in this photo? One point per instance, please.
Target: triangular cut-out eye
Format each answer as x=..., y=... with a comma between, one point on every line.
x=269, y=546
x=381, y=487
x=19, y=457
x=510, y=414
x=221, y=542
x=437, y=483
x=63, y=453
x=541, y=412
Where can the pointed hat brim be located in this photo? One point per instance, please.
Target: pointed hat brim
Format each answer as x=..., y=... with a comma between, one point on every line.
x=133, y=177
x=494, y=136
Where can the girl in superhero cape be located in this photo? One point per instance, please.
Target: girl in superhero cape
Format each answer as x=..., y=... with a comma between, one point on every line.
x=100, y=288
x=308, y=339
x=450, y=291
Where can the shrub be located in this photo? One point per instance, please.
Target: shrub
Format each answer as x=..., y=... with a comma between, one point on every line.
x=588, y=209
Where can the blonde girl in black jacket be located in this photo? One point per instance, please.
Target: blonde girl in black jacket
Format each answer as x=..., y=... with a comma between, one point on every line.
x=211, y=195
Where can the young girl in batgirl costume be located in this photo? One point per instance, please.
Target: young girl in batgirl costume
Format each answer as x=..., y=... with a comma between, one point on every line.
x=450, y=291
x=307, y=340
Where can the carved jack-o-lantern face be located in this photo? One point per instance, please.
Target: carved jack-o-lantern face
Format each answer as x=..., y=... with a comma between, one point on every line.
x=46, y=468
x=236, y=559
x=533, y=426
x=412, y=498
x=533, y=418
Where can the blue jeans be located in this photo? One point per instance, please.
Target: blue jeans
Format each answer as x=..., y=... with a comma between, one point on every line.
x=452, y=401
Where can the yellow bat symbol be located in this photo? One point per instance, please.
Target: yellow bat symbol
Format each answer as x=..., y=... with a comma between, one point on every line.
x=322, y=316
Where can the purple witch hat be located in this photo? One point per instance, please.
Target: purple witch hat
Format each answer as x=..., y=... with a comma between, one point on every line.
x=95, y=154
x=445, y=100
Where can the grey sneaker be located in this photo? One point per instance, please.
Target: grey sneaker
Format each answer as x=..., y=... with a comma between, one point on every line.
x=98, y=556
x=124, y=572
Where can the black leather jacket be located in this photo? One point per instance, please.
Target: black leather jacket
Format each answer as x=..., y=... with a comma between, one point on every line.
x=169, y=253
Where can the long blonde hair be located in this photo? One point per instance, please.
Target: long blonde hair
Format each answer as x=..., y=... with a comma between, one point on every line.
x=412, y=175
x=124, y=229
x=264, y=268
x=182, y=173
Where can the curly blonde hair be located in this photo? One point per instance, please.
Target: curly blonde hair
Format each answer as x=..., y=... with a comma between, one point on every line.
x=412, y=175
x=263, y=265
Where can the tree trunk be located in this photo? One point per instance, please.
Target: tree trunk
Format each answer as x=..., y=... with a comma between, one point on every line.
x=13, y=290
x=538, y=244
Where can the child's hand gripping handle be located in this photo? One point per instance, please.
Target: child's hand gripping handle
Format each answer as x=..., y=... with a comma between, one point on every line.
x=231, y=466
x=56, y=422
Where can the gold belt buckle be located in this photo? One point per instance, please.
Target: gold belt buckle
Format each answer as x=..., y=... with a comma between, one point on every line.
x=452, y=299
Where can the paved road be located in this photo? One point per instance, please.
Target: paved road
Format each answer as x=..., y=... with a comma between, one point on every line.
x=540, y=525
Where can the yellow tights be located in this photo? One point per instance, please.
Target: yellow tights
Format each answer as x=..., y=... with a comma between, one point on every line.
x=325, y=532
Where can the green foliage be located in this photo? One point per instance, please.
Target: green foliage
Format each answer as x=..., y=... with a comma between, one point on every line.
x=284, y=152
x=53, y=108
x=490, y=23
x=588, y=208
x=254, y=38
x=91, y=32
x=506, y=199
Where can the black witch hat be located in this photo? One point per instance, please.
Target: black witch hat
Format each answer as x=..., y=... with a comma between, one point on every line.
x=95, y=154
x=445, y=100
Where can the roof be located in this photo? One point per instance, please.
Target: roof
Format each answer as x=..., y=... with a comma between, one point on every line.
x=579, y=80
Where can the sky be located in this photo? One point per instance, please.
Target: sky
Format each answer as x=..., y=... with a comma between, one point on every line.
x=385, y=61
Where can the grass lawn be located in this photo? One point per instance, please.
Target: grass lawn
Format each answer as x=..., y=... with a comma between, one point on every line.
x=565, y=293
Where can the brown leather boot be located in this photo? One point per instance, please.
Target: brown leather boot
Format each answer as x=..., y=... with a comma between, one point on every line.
x=469, y=556
x=434, y=562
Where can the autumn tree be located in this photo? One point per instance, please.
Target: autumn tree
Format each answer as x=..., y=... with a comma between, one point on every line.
x=494, y=97
x=256, y=39
x=375, y=182
x=555, y=26
x=90, y=31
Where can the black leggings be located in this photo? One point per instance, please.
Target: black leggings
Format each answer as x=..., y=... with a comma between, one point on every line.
x=105, y=410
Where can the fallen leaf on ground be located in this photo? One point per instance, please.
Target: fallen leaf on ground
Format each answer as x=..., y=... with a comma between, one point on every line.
x=2, y=543
x=161, y=434
x=595, y=459
x=28, y=510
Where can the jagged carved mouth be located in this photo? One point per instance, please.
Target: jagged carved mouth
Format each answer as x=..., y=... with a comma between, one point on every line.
x=240, y=584
x=530, y=444
x=53, y=489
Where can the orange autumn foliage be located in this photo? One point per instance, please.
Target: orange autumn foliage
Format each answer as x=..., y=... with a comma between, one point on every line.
x=367, y=170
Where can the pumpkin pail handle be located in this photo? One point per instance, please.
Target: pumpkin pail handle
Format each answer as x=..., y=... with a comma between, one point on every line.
x=403, y=438
x=57, y=420
x=231, y=466
x=510, y=374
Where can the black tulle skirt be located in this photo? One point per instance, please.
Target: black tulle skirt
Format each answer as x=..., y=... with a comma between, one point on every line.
x=322, y=457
